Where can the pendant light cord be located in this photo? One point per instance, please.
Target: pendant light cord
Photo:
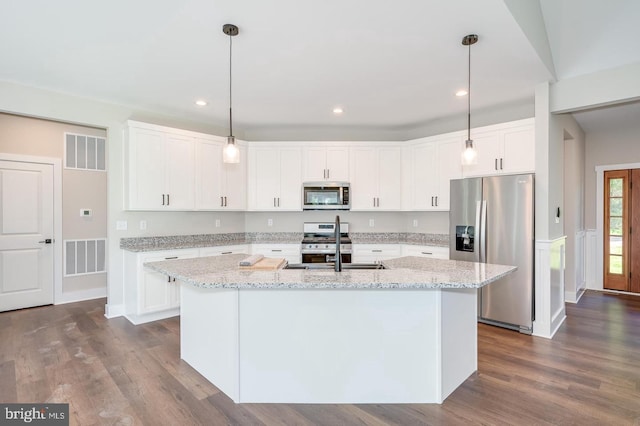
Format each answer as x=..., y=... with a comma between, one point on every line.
x=469, y=98
x=230, y=95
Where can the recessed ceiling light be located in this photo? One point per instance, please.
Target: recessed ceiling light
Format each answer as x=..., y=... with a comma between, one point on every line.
x=461, y=92
x=200, y=102
x=337, y=110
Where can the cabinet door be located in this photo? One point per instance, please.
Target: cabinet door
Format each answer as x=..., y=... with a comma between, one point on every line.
x=180, y=172
x=209, y=180
x=290, y=193
x=488, y=147
x=266, y=178
x=146, y=169
x=389, y=179
x=364, y=178
x=338, y=164
x=519, y=150
x=315, y=164
x=423, y=184
x=448, y=167
x=156, y=291
x=235, y=182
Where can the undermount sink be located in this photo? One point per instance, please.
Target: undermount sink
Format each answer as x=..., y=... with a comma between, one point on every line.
x=345, y=266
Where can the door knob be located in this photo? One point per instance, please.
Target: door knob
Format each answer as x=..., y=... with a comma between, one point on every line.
x=47, y=241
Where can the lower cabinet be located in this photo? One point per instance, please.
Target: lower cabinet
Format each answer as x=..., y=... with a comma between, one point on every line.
x=290, y=252
x=374, y=252
x=435, y=252
x=150, y=295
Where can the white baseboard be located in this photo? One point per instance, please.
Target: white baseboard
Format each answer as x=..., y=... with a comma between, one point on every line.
x=79, y=296
x=113, y=311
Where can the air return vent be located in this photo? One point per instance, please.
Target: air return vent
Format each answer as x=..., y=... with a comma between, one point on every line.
x=83, y=257
x=84, y=152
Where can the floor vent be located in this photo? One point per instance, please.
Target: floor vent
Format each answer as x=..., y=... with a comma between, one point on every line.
x=82, y=257
x=84, y=152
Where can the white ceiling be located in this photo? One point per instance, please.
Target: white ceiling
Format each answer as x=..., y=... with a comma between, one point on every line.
x=390, y=65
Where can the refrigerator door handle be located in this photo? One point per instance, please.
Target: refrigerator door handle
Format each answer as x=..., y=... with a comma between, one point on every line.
x=478, y=254
x=483, y=232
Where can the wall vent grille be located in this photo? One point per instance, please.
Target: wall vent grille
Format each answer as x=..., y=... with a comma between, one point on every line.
x=84, y=152
x=82, y=257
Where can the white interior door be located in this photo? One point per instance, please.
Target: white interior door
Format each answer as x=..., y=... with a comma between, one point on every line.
x=26, y=224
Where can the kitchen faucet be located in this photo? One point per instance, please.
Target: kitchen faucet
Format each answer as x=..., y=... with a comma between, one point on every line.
x=338, y=261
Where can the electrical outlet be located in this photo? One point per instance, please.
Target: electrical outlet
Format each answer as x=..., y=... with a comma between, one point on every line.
x=557, y=220
x=121, y=225
x=415, y=223
x=143, y=225
x=269, y=222
x=371, y=223
x=217, y=223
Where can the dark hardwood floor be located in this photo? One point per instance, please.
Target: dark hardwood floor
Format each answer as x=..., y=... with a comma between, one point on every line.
x=114, y=373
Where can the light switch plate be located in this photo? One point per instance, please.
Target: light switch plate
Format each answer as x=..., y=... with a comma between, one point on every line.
x=371, y=223
x=269, y=222
x=143, y=225
x=217, y=223
x=121, y=225
x=86, y=212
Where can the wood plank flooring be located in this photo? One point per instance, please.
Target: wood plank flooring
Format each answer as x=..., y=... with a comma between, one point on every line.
x=115, y=373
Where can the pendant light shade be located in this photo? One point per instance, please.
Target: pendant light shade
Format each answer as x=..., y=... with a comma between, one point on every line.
x=230, y=154
x=469, y=155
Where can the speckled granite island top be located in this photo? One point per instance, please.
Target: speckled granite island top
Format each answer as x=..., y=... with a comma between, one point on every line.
x=404, y=272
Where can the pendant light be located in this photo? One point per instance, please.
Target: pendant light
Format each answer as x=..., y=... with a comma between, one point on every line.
x=469, y=155
x=230, y=154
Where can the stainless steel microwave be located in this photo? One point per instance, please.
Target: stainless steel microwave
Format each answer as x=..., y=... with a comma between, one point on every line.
x=326, y=196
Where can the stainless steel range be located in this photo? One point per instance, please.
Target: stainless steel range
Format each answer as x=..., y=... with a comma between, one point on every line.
x=319, y=242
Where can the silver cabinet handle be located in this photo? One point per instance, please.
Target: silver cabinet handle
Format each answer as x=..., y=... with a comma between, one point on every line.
x=374, y=201
x=221, y=202
x=436, y=201
x=168, y=199
x=226, y=252
x=225, y=201
x=276, y=250
x=328, y=173
x=495, y=165
x=172, y=257
x=501, y=164
x=426, y=252
x=274, y=201
x=431, y=201
x=376, y=251
x=278, y=201
x=163, y=199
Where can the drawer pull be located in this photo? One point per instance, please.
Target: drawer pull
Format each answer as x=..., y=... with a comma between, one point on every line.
x=426, y=252
x=276, y=250
x=226, y=252
x=376, y=251
x=172, y=257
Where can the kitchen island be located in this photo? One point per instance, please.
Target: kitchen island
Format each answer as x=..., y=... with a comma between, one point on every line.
x=405, y=334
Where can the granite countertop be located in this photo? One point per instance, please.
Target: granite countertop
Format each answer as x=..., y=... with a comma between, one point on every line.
x=172, y=242
x=401, y=273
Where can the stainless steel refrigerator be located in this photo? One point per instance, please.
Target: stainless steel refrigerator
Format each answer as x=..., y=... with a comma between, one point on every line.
x=491, y=221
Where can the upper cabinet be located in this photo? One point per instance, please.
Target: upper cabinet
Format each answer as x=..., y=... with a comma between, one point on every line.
x=325, y=163
x=507, y=148
x=275, y=173
x=376, y=177
x=219, y=186
x=160, y=169
x=433, y=162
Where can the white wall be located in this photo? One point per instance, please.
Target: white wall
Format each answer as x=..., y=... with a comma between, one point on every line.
x=621, y=146
x=573, y=215
x=428, y=222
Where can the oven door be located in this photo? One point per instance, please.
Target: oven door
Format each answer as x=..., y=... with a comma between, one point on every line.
x=324, y=257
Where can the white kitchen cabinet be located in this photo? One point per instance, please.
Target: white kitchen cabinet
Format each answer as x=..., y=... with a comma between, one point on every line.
x=220, y=186
x=149, y=295
x=506, y=148
x=375, y=252
x=376, y=178
x=290, y=252
x=433, y=163
x=330, y=163
x=275, y=174
x=435, y=252
x=160, y=169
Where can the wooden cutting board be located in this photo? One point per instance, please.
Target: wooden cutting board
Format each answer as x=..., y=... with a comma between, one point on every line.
x=265, y=264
